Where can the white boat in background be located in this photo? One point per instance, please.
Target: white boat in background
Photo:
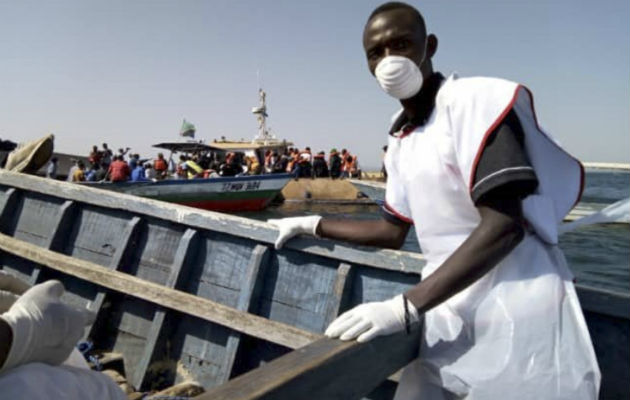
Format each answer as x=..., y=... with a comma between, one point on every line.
x=235, y=193
x=225, y=193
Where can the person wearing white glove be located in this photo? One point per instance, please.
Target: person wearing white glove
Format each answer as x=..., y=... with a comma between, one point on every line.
x=38, y=337
x=369, y=320
x=290, y=227
x=42, y=327
x=464, y=156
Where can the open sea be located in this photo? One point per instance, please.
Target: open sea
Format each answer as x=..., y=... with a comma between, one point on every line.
x=599, y=255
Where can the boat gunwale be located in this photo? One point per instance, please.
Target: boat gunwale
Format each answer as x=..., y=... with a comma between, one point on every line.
x=405, y=262
x=259, y=231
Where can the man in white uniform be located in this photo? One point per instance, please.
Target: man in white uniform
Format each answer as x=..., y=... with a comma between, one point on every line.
x=486, y=188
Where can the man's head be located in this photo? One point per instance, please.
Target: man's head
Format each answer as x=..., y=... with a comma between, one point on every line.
x=398, y=29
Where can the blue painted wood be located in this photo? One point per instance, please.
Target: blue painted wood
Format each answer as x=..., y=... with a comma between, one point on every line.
x=64, y=223
x=221, y=267
x=370, y=284
x=198, y=349
x=300, y=284
x=58, y=234
x=37, y=217
x=120, y=249
x=98, y=235
x=252, y=285
x=182, y=255
x=216, y=222
x=339, y=300
x=217, y=273
x=16, y=266
x=297, y=288
x=152, y=258
x=8, y=203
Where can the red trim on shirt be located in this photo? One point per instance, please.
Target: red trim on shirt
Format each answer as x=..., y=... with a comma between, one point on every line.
x=485, y=139
x=499, y=120
x=397, y=214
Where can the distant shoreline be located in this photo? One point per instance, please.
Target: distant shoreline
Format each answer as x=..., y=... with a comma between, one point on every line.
x=606, y=165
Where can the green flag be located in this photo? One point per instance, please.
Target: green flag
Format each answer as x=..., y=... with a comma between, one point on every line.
x=187, y=129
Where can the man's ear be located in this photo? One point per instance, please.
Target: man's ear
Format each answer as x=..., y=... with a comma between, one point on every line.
x=432, y=45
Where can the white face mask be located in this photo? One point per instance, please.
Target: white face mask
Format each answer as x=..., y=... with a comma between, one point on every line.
x=399, y=77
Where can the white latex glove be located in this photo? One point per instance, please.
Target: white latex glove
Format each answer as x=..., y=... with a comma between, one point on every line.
x=294, y=226
x=369, y=320
x=44, y=328
x=10, y=290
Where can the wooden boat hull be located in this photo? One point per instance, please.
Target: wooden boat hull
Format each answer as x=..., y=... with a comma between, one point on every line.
x=187, y=294
x=242, y=193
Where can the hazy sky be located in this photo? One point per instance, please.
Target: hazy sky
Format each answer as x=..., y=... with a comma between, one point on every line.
x=128, y=72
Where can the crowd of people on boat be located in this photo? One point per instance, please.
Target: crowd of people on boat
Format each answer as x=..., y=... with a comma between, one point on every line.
x=122, y=166
x=305, y=164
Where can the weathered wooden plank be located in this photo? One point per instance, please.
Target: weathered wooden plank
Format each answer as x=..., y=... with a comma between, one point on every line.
x=97, y=234
x=60, y=231
x=341, y=293
x=217, y=273
x=35, y=217
x=201, y=219
x=183, y=253
x=58, y=235
x=128, y=236
x=249, y=293
x=296, y=289
x=326, y=369
x=7, y=215
x=243, y=322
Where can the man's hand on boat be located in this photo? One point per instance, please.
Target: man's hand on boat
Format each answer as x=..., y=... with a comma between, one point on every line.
x=38, y=326
x=369, y=320
x=290, y=227
x=381, y=232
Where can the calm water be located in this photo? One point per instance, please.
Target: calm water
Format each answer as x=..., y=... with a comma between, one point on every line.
x=599, y=255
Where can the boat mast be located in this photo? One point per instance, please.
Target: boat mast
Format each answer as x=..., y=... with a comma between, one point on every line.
x=261, y=115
